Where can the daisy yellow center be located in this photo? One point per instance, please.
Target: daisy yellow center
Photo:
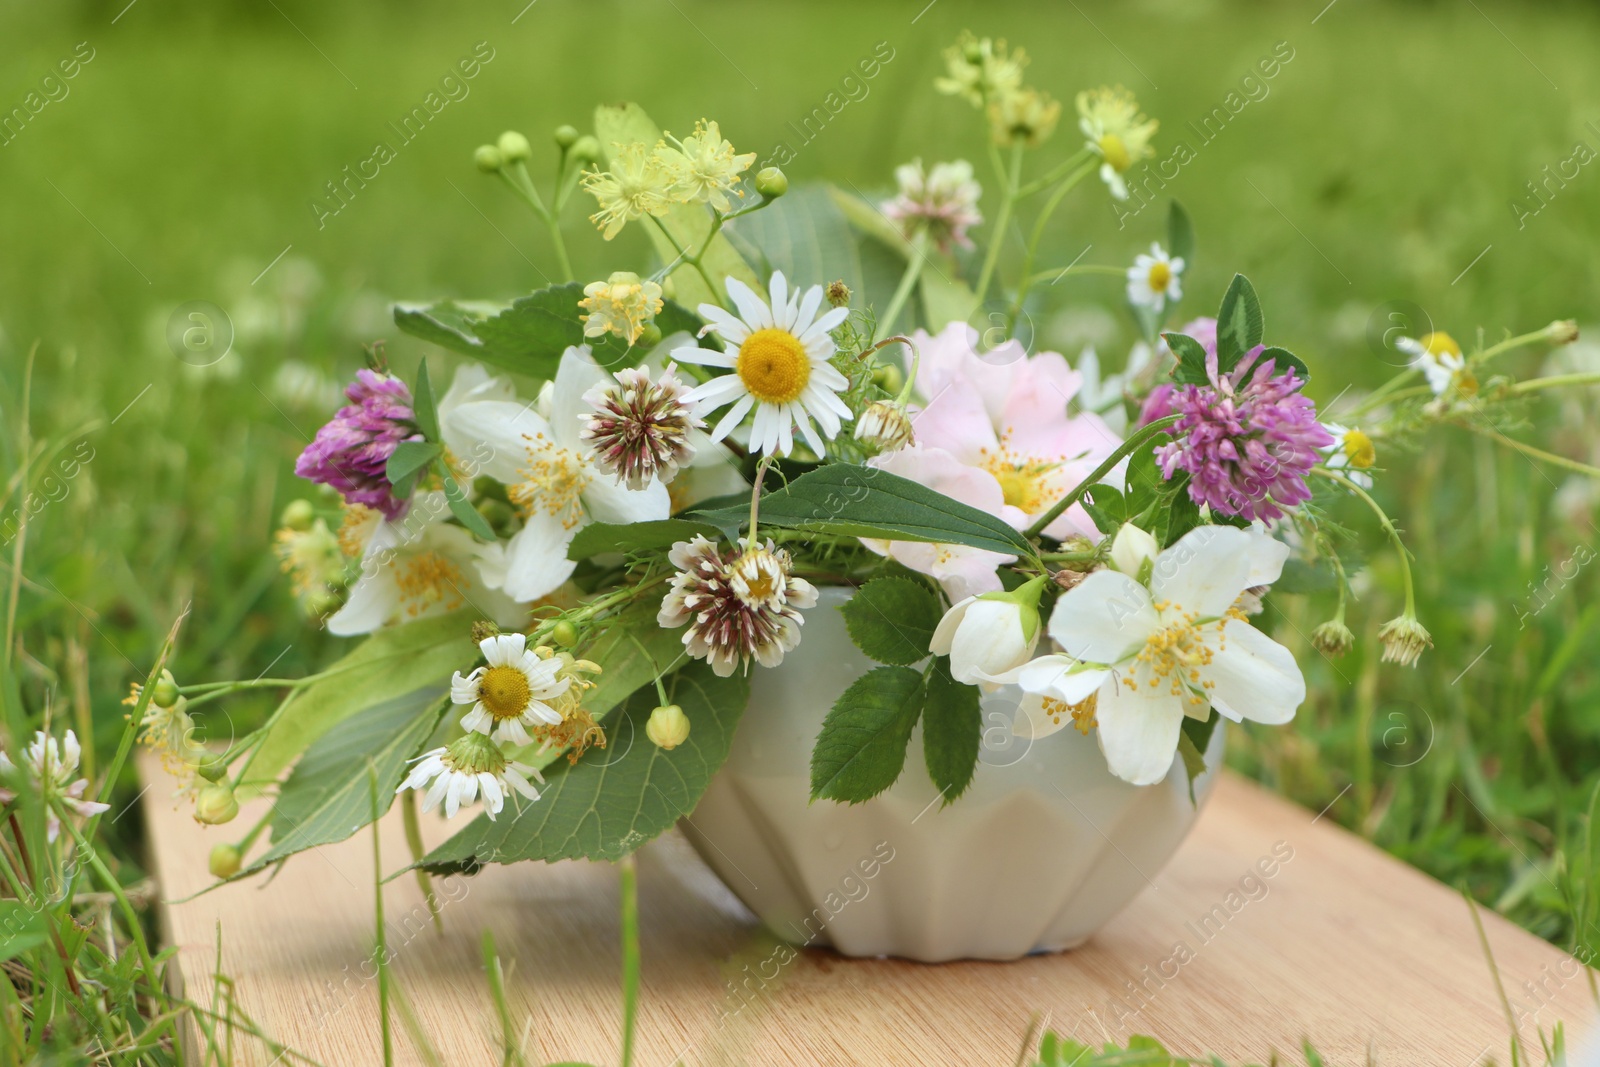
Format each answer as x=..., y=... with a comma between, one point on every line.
x=1115, y=152
x=556, y=478
x=504, y=691
x=773, y=366
x=1441, y=344
x=1160, y=276
x=1358, y=449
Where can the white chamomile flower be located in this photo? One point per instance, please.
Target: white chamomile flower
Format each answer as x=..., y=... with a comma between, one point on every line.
x=510, y=693
x=1439, y=358
x=469, y=765
x=1351, y=452
x=779, y=357
x=1155, y=280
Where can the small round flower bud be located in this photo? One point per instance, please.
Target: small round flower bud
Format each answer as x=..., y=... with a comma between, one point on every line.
x=215, y=805
x=514, y=147
x=1333, y=638
x=488, y=158
x=649, y=335
x=320, y=602
x=566, y=136
x=165, y=692
x=497, y=513
x=668, y=726
x=212, y=768
x=838, y=293
x=889, y=378
x=564, y=634
x=586, y=147
x=482, y=630
x=225, y=861
x=298, y=515
x=771, y=182
x=1562, y=331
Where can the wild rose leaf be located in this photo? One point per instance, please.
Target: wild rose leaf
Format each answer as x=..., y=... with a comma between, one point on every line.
x=862, y=747
x=893, y=619
x=952, y=731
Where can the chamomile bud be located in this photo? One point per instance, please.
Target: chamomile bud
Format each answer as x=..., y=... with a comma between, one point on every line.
x=488, y=158
x=771, y=182
x=514, y=147
x=1562, y=332
x=838, y=294
x=216, y=805
x=566, y=136
x=586, y=147
x=1404, y=640
x=1333, y=638
x=885, y=426
x=668, y=726
x=225, y=861
x=482, y=630
x=298, y=515
x=564, y=634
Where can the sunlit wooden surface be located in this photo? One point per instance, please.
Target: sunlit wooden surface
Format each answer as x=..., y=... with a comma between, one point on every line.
x=1340, y=943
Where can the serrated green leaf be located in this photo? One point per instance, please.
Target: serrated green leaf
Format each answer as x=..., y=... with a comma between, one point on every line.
x=632, y=650
x=952, y=731
x=1286, y=360
x=855, y=501
x=462, y=508
x=328, y=795
x=893, y=619
x=1240, y=324
x=615, y=799
x=1190, y=368
x=620, y=124
x=1107, y=506
x=862, y=747
x=389, y=664
x=1180, y=234
x=423, y=406
x=601, y=537
x=408, y=458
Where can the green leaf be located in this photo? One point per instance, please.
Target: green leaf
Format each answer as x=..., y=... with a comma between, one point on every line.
x=946, y=298
x=1191, y=366
x=808, y=237
x=615, y=799
x=1286, y=360
x=389, y=664
x=601, y=537
x=21, y=929
x=529, y=335
x=1180, y=234
x=855, y=501
x=1193, y=741
x=620, y=124
x=462, y=508
x=952, y=730
x=862, y=747
x=1107, y=506
x=1240, y=325
x=423, y=405
x=328, y=795
x=893, y=619
x=407, y=459
x=633, y=649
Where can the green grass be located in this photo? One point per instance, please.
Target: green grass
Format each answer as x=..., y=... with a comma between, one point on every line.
x=1380, y=167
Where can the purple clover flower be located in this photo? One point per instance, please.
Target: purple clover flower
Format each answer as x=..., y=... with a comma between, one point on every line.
x=1247, y=439
x=352, y=451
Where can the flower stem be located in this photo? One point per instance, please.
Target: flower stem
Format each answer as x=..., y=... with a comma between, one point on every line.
x=1008, y=199
x=630, y=953
x=683, y=255
x=517, y=178
x=1039, y=224
x=1388, y=528
x=908, y=280
x=1557, y=381
x=1127, y=448
x=1536, y=453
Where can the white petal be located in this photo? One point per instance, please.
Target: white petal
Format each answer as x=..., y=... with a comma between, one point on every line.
x=945, y=632
x=1104, y=618
x=1204, y=572
x=734, y=417
x=515, y=779
x=705, y=357
x=729, y=327
x=493, y=797
x=373, y=601
x=464, y=688
x=536, y=557
x=820, y=329
x=538, y=709
x=608, y=501
x=577, y=374
x=478, y=720
x=436, y=793
x=1254, y=677
x=1267, y=553
x=809, y=432
x=989, y=640
x=492, y=436
x=1139, y=731
x=780, y=302
x=808, y=308
x=1061, y=677
x=511, y=731
x=503, y=650
x=752, y=309
x=1031, y=721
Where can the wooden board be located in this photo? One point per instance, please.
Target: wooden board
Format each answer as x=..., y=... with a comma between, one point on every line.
x=1342, y=944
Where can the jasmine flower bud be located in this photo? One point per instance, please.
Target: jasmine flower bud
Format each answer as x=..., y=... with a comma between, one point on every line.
x=216, y=805
x=1404, y=640
x=1133, y=551
x=514, y=147
x=668, y=727
x=488, y=158
x=225, y=861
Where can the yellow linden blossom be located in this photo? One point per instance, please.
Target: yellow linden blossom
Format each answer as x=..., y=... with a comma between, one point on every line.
x=622, y=304
x=981, y=70
x=638, y=184
x=1117, y=131
x=704, y=167
x=1026, y=116
x=314, y=558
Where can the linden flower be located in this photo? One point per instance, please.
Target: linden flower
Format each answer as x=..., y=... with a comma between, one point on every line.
x=470, y=765
x=1117, y=132
x=705, y=168
x=50, y=766
x=1351, y=452
x=312, y=558
x=510, y=693
x=1155, y=280
x=1439, y=358
x=639, y=183
x=738, y=607
x=622, y=304
x=980, y=70
x=1026, y=116
x=780, y=367
x=1138, y=658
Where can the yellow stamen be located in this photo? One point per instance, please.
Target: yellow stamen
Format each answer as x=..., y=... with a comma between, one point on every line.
x=427, y=579
x=555, y=479
x=773, y=366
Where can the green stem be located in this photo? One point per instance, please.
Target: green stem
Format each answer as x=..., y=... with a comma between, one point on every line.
x=908, y=280
x=685, y=257
x=1536, y=453
x=516, y=176
x=630, y=954
x=382, y=949
x=1008, y=198
x=1039, y=224
x=1388, y=528
x=1056, y=173
x=1556, y=381
x=1127, y=448
x=413, y=826
x=1086, y=268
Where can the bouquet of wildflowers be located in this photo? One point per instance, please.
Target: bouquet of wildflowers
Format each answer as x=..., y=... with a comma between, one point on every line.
x=566, y=565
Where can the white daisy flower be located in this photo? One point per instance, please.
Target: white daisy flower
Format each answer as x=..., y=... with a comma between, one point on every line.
x=1439, y=358
x=1155, y=280
x=1351, y=452
x=510, y=693
x=779, y=357
x=51, y=765
x=470, y=765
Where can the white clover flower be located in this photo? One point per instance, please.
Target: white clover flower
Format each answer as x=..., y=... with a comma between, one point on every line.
x=943, y=202
x=738, y=607
x=512, y=692
x=1155, y=279
x=50, y=765
x=778, y=353
x=641, y=429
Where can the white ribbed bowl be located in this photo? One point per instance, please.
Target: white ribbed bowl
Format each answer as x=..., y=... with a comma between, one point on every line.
x=1041, y=851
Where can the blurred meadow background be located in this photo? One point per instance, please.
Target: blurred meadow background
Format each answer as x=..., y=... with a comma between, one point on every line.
x=1380, y=170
